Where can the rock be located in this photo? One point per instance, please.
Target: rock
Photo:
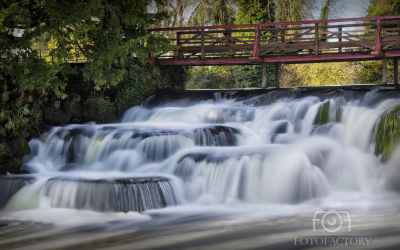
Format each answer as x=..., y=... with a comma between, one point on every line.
x=32, y=134
x=17, y=98
x=17, y=103
x=36, y=111
x=4, y=97
x=56, y=104
x=74, y=97
x=41, y=92
x=14, y=165
x=3, y=170
x=19, y=147
x=3, y=131
x=74, y=109
x=54, y=116
x=29, y=98
x=4, y=148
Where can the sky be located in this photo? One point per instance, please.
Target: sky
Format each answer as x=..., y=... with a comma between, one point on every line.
x=346, y=8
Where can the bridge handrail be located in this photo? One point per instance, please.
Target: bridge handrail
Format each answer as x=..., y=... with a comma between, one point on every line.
x=276, y=24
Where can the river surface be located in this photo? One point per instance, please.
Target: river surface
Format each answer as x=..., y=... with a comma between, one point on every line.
x=216, y=170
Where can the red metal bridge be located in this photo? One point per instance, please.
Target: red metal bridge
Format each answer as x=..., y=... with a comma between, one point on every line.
x=356, y=39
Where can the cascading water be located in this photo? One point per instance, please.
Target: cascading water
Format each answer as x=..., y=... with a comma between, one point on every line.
x=283, y=147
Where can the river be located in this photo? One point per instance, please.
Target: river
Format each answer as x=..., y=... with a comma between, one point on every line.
x=213, y=169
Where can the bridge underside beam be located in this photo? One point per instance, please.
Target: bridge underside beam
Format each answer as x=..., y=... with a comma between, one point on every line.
x=284, y=59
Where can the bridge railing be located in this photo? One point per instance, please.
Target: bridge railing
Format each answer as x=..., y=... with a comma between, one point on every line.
x=257, y=41
x=75, y=57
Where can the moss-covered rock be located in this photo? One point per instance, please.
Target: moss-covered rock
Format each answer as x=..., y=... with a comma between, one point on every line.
x=31, y=134
x=54, y=116
x=338, y=114
x=100, y=110
x=387, y=132
x=3, y=131
x=19, y=147
x=14, y=165
x=36, y=111
x=323, y=114
x=4, y=96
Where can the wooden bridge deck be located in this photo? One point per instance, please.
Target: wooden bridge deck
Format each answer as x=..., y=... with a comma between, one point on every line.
x=353, y=39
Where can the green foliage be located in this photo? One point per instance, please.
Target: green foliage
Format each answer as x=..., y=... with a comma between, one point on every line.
x=16, y=122
x=383, y=8
x=132, y=89
x=211, y=77
x=371, y=71
x=250, y=76
x=174, y=76
x=100, y=109
x=19, y=64
x=108, y=33
x=317, y=74
x=212, y=12
x=293, y=10
x=143, y=79
x=387, y=132
x=254, y=12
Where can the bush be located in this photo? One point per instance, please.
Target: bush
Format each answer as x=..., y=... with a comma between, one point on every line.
x=250, y=76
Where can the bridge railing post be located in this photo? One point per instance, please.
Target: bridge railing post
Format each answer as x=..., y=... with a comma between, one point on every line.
x=378, y=36
x=230, y=51
x=178, y=42
x=202, y=35
x=396, y=70
x=282, y=41
x=340, y=39
x=316, y=39
x=256, y=43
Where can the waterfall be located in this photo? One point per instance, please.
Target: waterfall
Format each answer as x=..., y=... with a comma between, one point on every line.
x=9, y=186
x=117, y=196
x=275, y=148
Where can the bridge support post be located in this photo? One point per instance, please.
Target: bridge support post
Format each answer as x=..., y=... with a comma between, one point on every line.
x=396, y=70
x=277, y=66
x=384, y=71
x=264, y=76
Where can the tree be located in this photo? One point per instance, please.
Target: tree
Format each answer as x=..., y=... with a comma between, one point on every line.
x=254, y=12
x=212, y=12
x=211, y=77
x=383, y=8
x=371, y=71
x=249, y=76
x=175, y=9
x=293, y=10
x=108, y=33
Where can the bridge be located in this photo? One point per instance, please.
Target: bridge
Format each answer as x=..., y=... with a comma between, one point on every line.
x=355, y=39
